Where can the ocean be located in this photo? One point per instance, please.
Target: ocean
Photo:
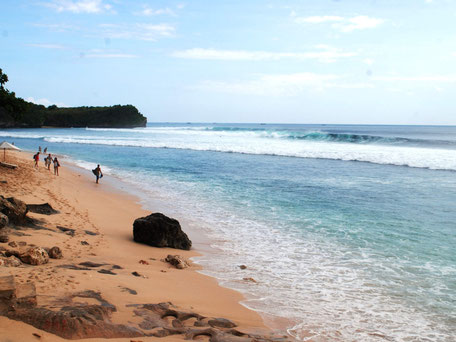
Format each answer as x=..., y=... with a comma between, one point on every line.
x=349, y=231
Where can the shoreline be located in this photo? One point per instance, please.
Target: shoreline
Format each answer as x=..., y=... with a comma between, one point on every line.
x=201, y=244
x=111, y=210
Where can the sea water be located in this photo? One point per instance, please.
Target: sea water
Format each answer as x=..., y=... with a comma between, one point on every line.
x=348, y=231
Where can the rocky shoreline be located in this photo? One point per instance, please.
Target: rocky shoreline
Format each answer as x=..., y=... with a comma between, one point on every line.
x=58, y=268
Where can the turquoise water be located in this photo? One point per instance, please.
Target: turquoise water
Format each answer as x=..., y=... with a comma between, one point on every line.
x=349, y=230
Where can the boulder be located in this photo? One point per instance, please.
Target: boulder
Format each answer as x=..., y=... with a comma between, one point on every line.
x=3, y=220
x=12, y=261
x=159, y=230
x=35, y=256
x=14, y=209
x=44, y=209
x=177, y=261
x=55, y=253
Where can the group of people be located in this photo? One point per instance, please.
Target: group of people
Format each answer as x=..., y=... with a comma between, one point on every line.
x=47, y=161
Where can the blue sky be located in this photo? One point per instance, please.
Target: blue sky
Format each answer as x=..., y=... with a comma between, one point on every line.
x=367, y=62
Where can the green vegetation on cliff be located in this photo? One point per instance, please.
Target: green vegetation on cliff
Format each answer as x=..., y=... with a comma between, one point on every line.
x=17, y=113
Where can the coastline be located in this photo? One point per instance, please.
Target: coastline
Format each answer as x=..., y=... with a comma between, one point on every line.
x=110, y=211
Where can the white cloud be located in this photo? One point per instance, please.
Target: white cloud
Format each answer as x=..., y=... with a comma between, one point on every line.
x=79, y=6
x=139, y=31
x=47, y=46
x=360, y=22
x=45, y=102
x=324, y=54
x=282, y=84
x=148, y=11
x=343, y=24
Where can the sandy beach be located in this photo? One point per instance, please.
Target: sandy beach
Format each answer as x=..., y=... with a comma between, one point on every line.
x=109, y=213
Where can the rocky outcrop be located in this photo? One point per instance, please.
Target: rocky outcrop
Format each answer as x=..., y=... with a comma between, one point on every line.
x=44, y=209
x=70, y=321
x=14, y=209
x=177, y=261
x=11, y=261
x=35, y=256
x=3, y=220
x=159, y=230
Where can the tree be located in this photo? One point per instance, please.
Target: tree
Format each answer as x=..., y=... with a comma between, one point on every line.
x=3, y=79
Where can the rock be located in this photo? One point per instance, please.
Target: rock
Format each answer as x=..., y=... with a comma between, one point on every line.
x=159, y=230
x=76, y=321
x=130, y=291
x=136, y=274
x=143, y=262
x=3, y=220
x=55, y=253
x=221, y=323
x=107, y=272
x=250, y=280
x=44, y=209
x=177, y=261
x=15, y=296
x=14, y=209
x=91, y=264
x=89, y=232
x=66, y=230
x=12, y=261
x=35, y=256
x=84, y=243
x=243, y=267
x=12, y=244
x=4, y=237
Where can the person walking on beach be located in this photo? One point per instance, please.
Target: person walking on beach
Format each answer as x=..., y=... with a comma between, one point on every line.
x=56, y=166
x=97, y=172
x=45, y=150
x=39, y=149
x=36, y=157
x=48, y=161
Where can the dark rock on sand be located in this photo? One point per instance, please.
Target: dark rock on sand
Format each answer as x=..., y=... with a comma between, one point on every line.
x=107, y=272
x=243, y=267
x=55, y=253
x=84, y=243
x=91, y=264
x=35, y=256
x=74, y=267
x=3, y=220
x=130, y=291
x=136, y=274
x=159, y=230
x=177, y=261
x=44, y=209
x=89, y=232
x=66, y=230
x=14, y=209
x=12, y=244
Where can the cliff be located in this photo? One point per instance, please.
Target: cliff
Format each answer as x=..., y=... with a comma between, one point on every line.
x=18, y=113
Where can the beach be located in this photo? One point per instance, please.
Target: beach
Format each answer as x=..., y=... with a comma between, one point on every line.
x=109, y=213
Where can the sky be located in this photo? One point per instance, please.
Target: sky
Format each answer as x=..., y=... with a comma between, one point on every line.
x=271, y=61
